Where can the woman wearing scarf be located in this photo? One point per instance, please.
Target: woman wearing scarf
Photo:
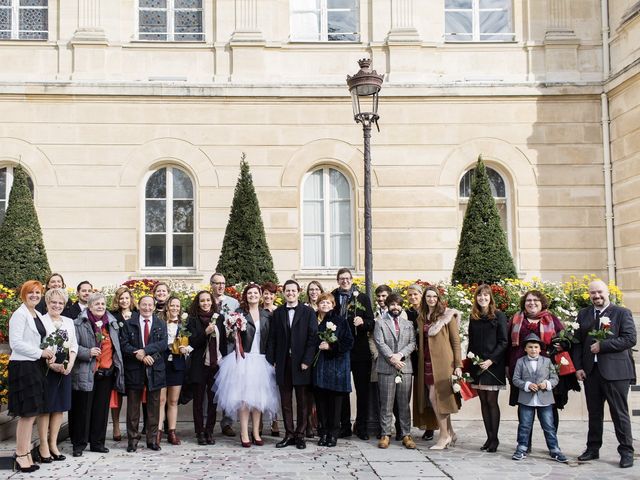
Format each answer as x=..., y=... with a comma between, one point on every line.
x=123, y=305
x=161, y=293
x=533, y=317
x=206, y=327
x=97, y=370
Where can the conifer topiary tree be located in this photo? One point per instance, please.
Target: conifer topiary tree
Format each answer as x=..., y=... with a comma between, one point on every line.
x=22, y=253
x=245, y=255
x=483, y=254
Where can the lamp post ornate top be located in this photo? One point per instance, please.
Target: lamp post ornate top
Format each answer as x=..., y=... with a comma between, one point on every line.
x=365, y=83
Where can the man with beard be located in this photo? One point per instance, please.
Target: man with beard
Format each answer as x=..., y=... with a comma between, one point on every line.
x=395, y=339
x=604, y=361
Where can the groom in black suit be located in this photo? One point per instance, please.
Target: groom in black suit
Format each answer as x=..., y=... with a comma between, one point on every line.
x=606, y=367
x=293, y=339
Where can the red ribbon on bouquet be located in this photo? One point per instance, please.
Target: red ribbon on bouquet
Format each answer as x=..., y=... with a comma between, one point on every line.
x=239, y=348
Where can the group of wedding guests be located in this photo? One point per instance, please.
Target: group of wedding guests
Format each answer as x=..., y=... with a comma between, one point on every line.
x=249, y=358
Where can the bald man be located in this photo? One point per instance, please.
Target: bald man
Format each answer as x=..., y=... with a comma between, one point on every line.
x=606, y=367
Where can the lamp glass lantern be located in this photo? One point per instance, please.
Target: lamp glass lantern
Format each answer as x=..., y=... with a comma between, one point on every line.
x=364, y=87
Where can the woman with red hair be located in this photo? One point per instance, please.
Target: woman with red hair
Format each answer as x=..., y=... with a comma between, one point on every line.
x=27, y=365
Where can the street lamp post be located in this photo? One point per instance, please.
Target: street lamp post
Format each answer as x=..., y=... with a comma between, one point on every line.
x=364, y=87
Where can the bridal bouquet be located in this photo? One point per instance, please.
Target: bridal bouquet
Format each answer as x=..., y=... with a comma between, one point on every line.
x=234, y=323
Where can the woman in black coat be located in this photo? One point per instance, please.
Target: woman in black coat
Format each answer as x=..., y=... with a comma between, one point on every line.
x=207, y=333
x=488, y=341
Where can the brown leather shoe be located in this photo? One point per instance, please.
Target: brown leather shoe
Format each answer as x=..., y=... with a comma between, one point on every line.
x=159, y=437
x=384, y=441
x=172, y=438
x=228, y=431
x=408, y=442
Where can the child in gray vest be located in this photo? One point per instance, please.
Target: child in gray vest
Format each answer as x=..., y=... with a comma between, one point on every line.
x=535, y=376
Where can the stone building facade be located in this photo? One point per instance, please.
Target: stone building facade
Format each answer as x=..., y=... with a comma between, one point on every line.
x=130, y=117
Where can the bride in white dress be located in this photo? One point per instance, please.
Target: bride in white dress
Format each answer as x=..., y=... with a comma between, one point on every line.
x=245, y=385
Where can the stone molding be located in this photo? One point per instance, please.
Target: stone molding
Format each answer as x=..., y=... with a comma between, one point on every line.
x=169, y=151
x=31, y=158
x=327, y=151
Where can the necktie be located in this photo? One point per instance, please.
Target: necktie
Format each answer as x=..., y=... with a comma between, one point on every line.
x=598, y=315
x=146, y=331
x=397, y=325
x=533, y=359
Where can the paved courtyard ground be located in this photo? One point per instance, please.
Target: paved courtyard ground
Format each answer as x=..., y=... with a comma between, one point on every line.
x=351, y=459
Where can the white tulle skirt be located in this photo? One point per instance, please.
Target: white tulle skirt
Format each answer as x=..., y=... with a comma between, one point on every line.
x=246, y=382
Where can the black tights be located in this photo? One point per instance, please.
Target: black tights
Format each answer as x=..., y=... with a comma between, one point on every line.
x=490, y=414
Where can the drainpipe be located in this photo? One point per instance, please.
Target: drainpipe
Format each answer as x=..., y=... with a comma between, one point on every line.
x=606, y=145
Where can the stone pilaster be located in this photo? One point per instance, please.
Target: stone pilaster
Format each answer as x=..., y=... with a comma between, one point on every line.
x=246, y=22
x=89, y=28
x=402, y=26
x=559, y=21
x=560, y=43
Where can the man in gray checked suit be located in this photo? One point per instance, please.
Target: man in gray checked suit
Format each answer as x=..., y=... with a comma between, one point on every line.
x=395, y=339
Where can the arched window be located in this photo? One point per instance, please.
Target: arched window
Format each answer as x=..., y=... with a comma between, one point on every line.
x=327, y=220
x=500, y=193
x=168, y=219
x=6, y=181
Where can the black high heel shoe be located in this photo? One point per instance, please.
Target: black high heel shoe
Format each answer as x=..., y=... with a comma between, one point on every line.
x=19, y=468
x=485, y=445
x=58, y=458
x=493, y=446
x=42, y=459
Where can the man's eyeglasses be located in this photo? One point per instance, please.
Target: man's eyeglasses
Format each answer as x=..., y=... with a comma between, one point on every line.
x=217, y=284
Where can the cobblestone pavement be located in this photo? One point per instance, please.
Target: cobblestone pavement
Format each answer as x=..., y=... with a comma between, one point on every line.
x=351, y=459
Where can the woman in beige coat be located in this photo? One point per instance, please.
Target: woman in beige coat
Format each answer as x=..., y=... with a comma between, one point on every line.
x=438, y=358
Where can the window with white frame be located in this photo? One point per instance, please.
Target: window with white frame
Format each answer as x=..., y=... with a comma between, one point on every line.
x=169, y=219
x=479, y=21
x=325, y=21
x=500, y=193
x=327, y=220
x=170, y=20
x=6, y=181
x=24, y=19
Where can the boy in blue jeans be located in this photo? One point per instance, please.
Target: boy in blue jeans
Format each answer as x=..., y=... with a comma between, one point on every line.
x=535, y=376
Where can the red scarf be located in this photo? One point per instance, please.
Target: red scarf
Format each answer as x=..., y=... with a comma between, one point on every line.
x=547, y=327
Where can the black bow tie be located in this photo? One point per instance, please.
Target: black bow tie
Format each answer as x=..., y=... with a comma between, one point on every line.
x=290, y=308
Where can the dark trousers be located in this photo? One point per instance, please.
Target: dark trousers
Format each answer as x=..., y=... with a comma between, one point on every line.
x=200, y=391
x=597, y=390
x=328, y=406
x=151, y=413
x=286, y=402
x=89, y=415
x=361, y=377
